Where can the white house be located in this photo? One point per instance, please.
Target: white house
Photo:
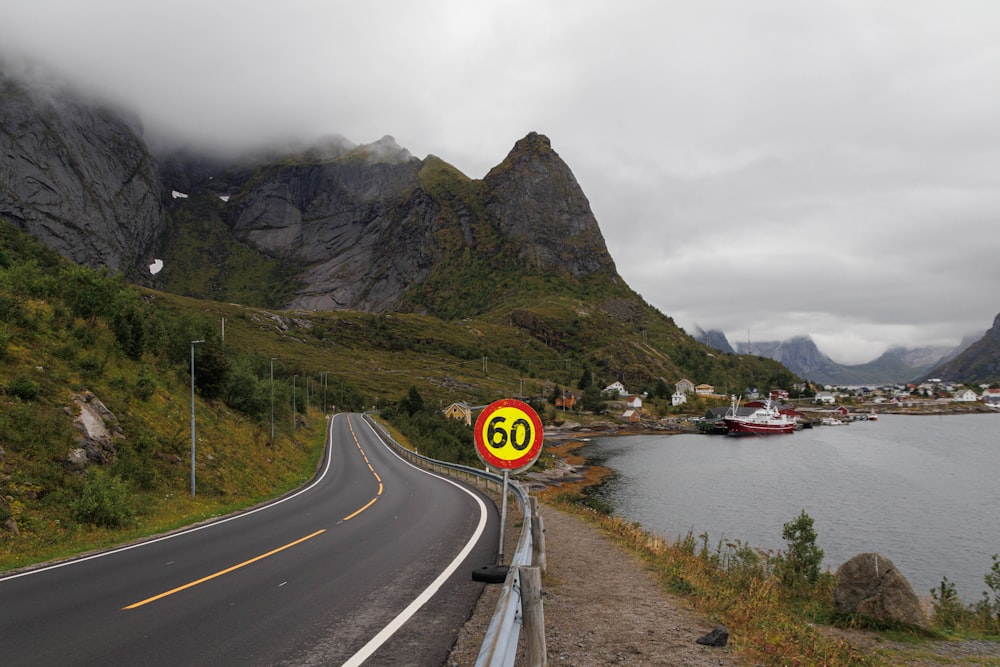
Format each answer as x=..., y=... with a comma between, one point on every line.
x=634, y=403
x=685, y=386
x=679, y=398
x=616, y=388
x=965, y=396
x=826, y=397
x=991, y=395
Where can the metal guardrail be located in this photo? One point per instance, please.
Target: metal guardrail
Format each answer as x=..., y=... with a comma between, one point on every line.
x=499, y=647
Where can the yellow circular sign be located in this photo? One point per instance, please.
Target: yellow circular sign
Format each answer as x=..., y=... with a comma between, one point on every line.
x=509, y=435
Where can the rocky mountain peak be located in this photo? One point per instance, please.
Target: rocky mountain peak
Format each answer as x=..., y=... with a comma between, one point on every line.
x=536, y=201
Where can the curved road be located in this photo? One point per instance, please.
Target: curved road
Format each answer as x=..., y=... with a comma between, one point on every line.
x=370, y=564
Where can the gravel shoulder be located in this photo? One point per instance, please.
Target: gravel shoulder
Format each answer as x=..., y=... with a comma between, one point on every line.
x=601, y=607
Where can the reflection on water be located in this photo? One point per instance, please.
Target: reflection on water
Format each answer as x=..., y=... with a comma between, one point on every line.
x=923, y=490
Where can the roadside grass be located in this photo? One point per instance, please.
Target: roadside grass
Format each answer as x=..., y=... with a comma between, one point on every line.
x=736, y=586
x=49, y=537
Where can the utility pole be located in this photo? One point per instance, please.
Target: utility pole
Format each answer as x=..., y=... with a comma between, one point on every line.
x=193, y=343
x=273, y=359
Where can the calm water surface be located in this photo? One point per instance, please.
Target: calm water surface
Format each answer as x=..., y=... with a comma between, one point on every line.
x=923, y=490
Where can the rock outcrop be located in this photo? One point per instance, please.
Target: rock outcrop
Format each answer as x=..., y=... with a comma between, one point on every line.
x=77, y=176
x=870, y=585
x=98, y=429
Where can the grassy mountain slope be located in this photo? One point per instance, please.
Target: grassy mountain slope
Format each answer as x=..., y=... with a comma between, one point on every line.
x=66, y=330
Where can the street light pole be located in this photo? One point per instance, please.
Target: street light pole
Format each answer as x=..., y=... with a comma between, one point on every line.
x=193, y=343
x=272, y=399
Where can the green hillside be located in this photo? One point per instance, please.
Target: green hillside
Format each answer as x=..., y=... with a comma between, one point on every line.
x=66, y=330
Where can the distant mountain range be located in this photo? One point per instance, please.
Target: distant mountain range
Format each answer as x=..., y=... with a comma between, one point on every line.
x=801, y=356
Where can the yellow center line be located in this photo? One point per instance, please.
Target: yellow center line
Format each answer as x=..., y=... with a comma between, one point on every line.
x=377, y=478
x=226, y=571
x=351, y=516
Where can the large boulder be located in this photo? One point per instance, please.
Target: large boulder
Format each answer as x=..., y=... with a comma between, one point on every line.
x=870, y=585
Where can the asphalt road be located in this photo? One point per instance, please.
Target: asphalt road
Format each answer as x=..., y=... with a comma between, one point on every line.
x=370, y=564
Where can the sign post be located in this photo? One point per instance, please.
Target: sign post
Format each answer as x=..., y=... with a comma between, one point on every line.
x=508, y=436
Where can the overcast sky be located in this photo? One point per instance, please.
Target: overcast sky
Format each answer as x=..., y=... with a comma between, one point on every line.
x=769, y=168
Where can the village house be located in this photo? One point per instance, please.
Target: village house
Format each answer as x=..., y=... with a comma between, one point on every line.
x=685, y=386
x=965, y=396
x=631, y=416
x=566, y=400
x=991, y=396
x=825, y=397
x=616, y=388
x=461, y=411
x=678, y=398
x=704, y=390
x=634, y=403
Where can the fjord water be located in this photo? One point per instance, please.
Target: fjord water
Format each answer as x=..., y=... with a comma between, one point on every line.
x=923, y=490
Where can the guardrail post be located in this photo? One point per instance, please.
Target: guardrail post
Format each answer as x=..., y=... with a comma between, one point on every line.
x=534, y=617
x=537, y=535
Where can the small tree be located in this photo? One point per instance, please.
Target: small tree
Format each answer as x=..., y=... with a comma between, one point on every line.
x=799, y=569
x=662, y=390
x=412, y=403
x=586, y=380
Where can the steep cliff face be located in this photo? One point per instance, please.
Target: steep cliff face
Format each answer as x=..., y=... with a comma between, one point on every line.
x=359, y=226
x=536, y=201
x=78, y=177
x=376, y=229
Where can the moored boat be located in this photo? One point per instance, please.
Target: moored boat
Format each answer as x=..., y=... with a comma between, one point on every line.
x=765, y=420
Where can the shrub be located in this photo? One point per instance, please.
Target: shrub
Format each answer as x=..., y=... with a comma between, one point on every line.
x=988, y=608
x=947, y=609
x=145, y=386
x=104, y=501
x=799, y=568
x=23, y=387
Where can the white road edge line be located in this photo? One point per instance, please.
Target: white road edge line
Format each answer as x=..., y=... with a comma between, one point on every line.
x=395, y=624
x=212, y=524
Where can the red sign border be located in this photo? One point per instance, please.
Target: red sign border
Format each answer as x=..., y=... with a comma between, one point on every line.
x=530, y=456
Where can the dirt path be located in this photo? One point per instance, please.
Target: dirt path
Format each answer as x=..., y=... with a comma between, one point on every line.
x=601, y=607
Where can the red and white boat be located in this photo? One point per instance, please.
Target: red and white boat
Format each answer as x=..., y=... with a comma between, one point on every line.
x=764, y=420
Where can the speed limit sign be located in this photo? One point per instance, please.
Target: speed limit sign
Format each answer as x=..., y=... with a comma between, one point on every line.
x=509, y=435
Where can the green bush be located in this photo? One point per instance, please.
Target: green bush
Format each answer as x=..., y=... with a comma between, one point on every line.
x=799, y=568
x=145, y=386
x=23, y=387
x=948, y=611
x=104, y=501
